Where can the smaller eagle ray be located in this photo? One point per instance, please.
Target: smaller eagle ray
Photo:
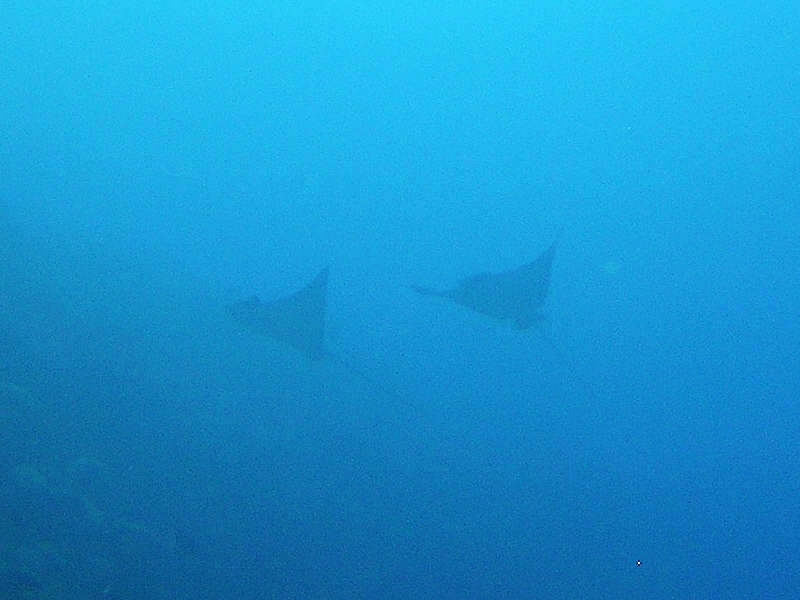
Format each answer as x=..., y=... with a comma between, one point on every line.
x=297, y=320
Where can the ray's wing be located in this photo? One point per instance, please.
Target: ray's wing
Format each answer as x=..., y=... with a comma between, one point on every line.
x=533, y=278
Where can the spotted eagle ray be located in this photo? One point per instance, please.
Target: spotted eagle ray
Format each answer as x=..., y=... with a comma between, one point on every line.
x=297, y=320
x=514, y=295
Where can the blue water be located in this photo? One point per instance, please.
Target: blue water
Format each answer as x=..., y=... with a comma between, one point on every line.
x=158, y=162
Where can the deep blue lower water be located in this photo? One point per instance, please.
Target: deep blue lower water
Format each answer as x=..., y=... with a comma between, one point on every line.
x=637, y=439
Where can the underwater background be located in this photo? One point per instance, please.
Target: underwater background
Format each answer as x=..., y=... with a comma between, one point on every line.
x=159, y=161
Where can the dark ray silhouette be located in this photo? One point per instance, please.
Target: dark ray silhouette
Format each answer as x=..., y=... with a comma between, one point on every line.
x=297, y=319
x=515, y=295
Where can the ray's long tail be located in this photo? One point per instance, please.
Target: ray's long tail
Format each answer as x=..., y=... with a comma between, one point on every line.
x=426, y=291
x=553, y=346
x=359, y=371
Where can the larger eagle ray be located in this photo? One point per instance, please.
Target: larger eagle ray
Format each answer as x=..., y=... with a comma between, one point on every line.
x=515, y=295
